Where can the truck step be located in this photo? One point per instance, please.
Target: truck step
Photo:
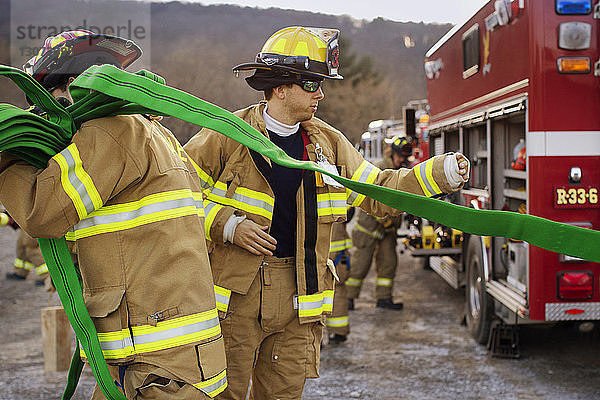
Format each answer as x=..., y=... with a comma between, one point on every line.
x=447, y=268
x=504, y=340
x=513, y=300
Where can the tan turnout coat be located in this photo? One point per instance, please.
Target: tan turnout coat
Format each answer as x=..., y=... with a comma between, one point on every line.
x=127, y=193
x=235, y=180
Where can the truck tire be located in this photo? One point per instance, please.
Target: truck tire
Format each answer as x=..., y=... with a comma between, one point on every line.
x=479, y=304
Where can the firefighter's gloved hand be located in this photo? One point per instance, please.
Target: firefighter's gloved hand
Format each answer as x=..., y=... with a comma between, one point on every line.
x=456, y=168
x=254, y=238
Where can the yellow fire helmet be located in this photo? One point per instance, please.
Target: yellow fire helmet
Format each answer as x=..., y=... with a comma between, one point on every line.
x=312, y=52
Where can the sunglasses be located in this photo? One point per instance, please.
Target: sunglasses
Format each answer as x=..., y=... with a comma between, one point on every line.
x=309, y=85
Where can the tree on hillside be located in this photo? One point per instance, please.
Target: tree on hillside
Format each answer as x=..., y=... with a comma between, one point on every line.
x=362, y=96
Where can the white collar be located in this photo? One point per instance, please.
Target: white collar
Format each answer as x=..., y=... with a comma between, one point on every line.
x=277, y=127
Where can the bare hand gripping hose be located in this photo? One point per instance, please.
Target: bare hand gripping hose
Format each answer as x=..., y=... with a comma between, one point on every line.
x=36, y=139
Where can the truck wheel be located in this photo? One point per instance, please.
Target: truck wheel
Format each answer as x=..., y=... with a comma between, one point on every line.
x=479, y=304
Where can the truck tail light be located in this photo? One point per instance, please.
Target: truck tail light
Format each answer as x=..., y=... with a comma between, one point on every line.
x=574, y=65
x=575, y=285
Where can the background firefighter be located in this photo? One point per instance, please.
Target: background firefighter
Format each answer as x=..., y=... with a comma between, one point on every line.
x=377, y=236
x=338, y=323
x=270, y=226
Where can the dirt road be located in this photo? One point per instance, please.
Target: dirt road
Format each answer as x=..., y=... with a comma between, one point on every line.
x=421, y=352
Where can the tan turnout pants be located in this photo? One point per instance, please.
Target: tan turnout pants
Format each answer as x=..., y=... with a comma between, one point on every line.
x=338, y=322
x=365, y=246
x=29, y=257
x=264, y=339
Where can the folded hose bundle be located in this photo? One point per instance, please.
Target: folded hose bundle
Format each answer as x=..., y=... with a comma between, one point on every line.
x=106, y=90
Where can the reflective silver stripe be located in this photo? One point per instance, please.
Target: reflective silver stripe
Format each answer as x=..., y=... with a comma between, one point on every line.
x=177, y=331
x=331, y=205
x=42, y=269
x=166, y=334
x=337, y=321
x=211, y=209
x=82, y=190
x=215, y=386
x=131, y=215
x=244, y=200
x=117, y=345
x=422, y=174
x=365, y=174
x=353, y=282
x=222, y=296
x=315, y=304
x=222, y=299
x=383, y=282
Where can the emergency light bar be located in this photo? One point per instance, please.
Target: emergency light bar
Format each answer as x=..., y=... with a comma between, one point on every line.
x=573, y=7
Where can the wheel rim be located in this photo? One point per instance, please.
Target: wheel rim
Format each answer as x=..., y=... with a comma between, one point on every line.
x=475, y=291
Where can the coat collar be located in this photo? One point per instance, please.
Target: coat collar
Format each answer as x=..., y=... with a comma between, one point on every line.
x=254, y=117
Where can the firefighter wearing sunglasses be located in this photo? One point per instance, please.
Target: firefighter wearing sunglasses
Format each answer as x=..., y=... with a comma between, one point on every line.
x=269, y=227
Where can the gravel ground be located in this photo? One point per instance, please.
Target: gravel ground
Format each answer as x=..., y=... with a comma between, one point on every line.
x=421, y=352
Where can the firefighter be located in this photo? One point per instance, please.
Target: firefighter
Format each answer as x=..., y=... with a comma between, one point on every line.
x=377, y=236
x=270, y=226
x=338, y=323
x=28, y=255
x=28, y=258
x=129, y=200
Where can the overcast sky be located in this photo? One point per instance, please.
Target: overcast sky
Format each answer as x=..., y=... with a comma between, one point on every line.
x=453, y=11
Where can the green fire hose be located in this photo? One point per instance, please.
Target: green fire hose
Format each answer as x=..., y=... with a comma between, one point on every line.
x=113, y=92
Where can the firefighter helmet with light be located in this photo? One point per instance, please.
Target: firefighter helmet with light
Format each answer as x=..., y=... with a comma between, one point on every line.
x=72, y=52
x=401, y=146
x=309, y=52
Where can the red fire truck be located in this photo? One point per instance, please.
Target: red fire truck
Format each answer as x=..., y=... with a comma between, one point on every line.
x=517, y=89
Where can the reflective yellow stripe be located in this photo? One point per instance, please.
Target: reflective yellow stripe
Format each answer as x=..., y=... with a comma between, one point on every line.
x=337, y=245
x=42, y=269
x=331, y=203
x=207, y=180
x=244, y=199
x=353, y=282
x=336, y=322
x=214, y=385
x=176, y=332
x=26, y=265
x=383, y=282
x=424, y=174
x=211, y=209
x=377, y=235
x=76, y=182
x=315, y=304
x=367, y=173
x=166, y=334
x=222, y=297
x=152, y=208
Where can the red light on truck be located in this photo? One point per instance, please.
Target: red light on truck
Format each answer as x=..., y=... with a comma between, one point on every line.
x=574, y=311
x=575, y=285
